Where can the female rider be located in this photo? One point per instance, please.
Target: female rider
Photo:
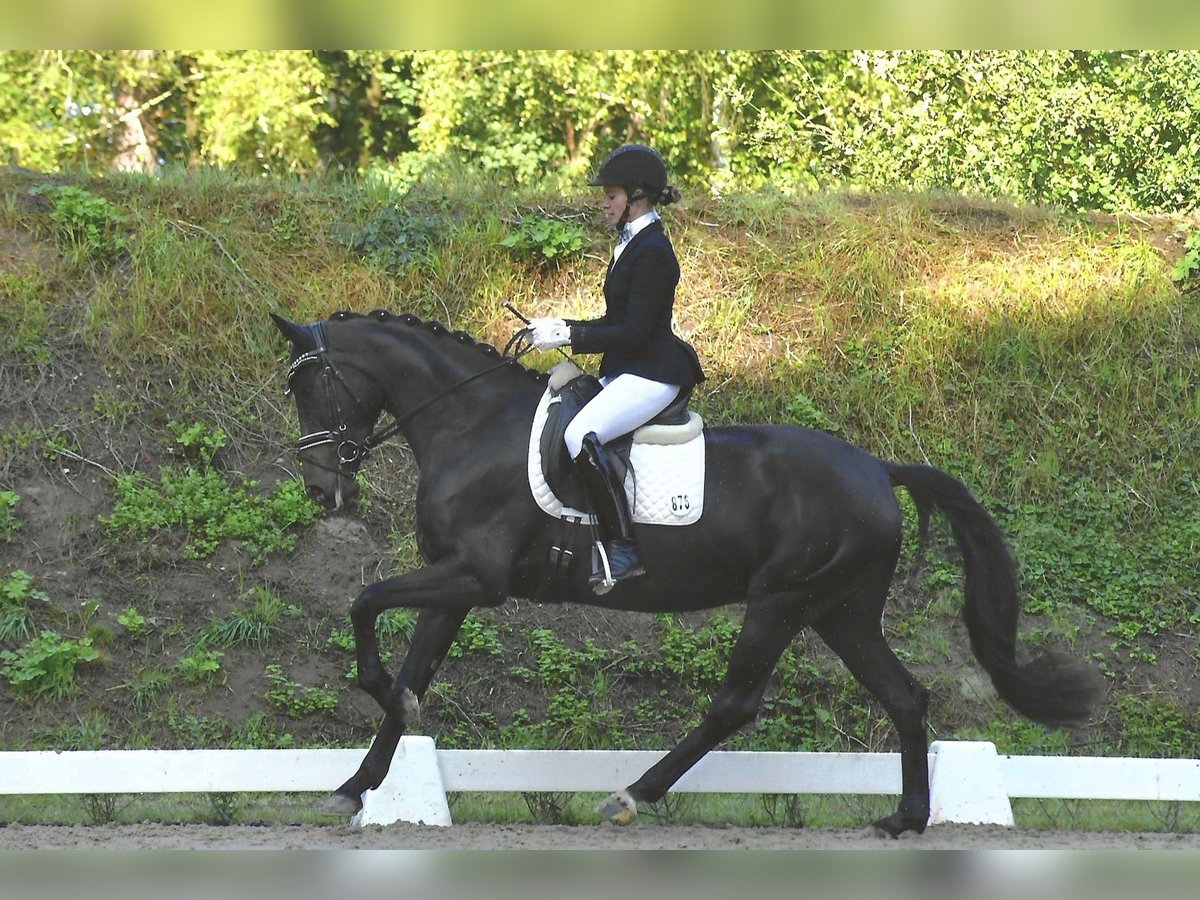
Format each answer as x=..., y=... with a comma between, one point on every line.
x=644, y=364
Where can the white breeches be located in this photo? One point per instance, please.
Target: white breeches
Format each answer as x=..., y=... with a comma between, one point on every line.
x=627, y=402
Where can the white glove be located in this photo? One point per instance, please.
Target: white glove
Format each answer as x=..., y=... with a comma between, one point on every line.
x=547, y=334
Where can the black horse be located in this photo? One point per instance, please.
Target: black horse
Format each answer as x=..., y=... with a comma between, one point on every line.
x=802, y=527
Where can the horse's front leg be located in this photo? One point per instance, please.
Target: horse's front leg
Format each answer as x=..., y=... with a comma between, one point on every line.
x=434, y=633
x=446, y=586
x=765, y=634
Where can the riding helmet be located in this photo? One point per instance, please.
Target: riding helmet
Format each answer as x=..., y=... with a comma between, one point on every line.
x=633, y=165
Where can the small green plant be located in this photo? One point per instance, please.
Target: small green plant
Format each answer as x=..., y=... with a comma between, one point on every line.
x=100, y=809
x=9, y=523
x=1188, y=265
x=16, y=590
x=87, y=221
x=297, y=699
x=198, y=443
x=201, y=666
x=132, y=621
x=544, y=240
x=223, y=807
x=249, y=627
x=147, y=685
x=45, y=665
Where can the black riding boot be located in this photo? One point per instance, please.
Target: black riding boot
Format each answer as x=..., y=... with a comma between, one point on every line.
x=610, y=506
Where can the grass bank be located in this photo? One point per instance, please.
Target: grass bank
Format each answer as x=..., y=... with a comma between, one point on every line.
x=1047, y=360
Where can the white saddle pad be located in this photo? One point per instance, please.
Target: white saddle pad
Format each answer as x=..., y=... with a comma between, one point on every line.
x=666, y=479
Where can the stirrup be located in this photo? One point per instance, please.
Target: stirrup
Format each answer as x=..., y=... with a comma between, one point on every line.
x=616, y=561
x=602, y=580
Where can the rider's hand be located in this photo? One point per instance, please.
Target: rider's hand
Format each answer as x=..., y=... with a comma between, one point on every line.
x=547, y=334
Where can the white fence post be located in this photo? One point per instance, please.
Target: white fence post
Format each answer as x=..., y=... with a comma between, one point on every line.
x=413, y=790
x=967, y=785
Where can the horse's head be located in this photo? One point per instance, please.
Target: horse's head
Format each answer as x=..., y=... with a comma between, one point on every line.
x=338, y=406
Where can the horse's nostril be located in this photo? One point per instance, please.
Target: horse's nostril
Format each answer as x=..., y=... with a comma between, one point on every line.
x=316, y=494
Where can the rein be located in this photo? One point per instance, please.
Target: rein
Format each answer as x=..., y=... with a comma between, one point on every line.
x=348, y=451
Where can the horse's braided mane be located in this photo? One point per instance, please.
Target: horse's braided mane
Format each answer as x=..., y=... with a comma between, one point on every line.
x=462, y=337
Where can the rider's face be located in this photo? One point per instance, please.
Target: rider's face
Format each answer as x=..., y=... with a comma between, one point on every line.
x=613, y=203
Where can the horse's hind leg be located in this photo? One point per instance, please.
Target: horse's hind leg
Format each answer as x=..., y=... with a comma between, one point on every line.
x=766, y=633
x=434, y=633
x=854, y=634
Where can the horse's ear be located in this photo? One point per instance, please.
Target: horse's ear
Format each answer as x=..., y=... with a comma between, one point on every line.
x=299, y=335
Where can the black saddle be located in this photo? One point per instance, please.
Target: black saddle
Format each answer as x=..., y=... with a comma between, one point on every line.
x=557, y=465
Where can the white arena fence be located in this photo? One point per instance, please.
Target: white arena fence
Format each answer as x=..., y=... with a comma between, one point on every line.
x=970, y=781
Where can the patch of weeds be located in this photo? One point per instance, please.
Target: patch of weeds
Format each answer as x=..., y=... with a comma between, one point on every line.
x=547, y=807
x=99, y=809
x=16, y=590
x=786, y=810
x=132, y=621
x=1155, y=726
x=198, y=443
x=45, y=666
x=210, y=509
x=201, y=666
x=544, y=241
x=223, y=808
x=476, y=636
x=295, y=699
x=146, y=686
x=695, y=657
x=579, y=713
x=24, y=317
x=249, y=627
x=803, y=410
x=256, y=733
x=394, y=238
x=392, y=625
x=86, y=221
x=90, y=732
x=1187, y=267
x=286, y=226
x=112, y=407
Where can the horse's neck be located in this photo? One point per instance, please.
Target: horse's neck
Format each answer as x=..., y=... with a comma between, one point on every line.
x=451, y=410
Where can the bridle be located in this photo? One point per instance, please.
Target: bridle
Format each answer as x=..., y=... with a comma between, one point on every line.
x=351, y=452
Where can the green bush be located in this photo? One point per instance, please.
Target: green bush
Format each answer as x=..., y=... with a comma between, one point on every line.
x=544, y=240
x=87, y=221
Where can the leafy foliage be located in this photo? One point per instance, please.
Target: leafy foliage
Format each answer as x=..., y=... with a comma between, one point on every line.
x=45, y=666
x=87, y=221
x=16, y=590
x=210, y=509
x=394, y=238
x=1076, y=129
x=9, y=523
x=544, y=240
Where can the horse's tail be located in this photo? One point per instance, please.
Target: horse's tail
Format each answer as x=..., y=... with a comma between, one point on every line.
x=1047, y=689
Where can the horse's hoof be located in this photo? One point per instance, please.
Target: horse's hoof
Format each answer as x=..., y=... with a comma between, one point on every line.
x=619, y=807
x=896, y=824
x=341, y=805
